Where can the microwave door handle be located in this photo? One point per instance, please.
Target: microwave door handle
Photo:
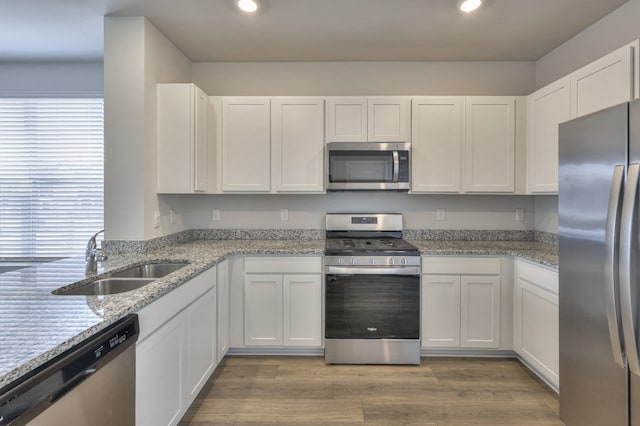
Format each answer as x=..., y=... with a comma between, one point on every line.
x=396, y=166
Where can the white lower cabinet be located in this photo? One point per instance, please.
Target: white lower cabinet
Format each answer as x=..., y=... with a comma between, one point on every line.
x=222, y=300
x=283, y=301
x=461, y=302
x=176, y=350
x=536, y=323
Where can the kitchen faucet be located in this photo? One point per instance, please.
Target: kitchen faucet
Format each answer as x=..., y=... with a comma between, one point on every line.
x=93, y=255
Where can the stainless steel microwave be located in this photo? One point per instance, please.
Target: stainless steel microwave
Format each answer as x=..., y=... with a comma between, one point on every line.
x=368, y=166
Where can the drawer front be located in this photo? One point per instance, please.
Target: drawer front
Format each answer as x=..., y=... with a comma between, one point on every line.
x=461, y=265
x=282, y=264
x=538, y=276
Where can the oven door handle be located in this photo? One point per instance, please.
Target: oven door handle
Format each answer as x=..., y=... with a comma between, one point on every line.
x=357, y=270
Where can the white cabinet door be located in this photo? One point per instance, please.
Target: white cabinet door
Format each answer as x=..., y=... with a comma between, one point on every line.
x=202, y=141
x=346, y=119
x=440, y=311
x=223, y=301
x=389, y=119
x=536, y=319
x=263, y=310
x=547, y=108
x=183, y=139
x=489, y=144
x=302, y=310
x=246, y=146
x=437, y=135
x=480, y=311
x=200, y=343
x=603, y=83
x=297, y=129
x=160, y=375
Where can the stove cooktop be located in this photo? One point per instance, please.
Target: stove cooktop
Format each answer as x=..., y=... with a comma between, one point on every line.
x=382, y=246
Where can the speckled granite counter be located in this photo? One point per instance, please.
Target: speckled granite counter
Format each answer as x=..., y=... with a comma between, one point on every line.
x=541, y=253
x=36, y=326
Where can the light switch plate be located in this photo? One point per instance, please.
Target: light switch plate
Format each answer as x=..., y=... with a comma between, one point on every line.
x=441, y=215
x=519, y=215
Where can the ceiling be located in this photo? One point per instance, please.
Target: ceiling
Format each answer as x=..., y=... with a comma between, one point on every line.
x=304, y=30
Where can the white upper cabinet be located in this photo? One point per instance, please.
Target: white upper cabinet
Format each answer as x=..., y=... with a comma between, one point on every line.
x=604, y=83
x=183, y=140
x=346, y=119
x=297, y=144
x=547, y=108
x=489, y=144
x=437, y=138
x=246, y=147
x=389, y=119
x=368, y=119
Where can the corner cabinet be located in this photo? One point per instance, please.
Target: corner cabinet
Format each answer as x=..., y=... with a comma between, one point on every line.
x=183, y=139
x=546, y=108
x=536, y=319
x=489, y=147
x=368, y=119
x=283, y=301
x=176, y=350
x=461, y=302
x=297, y=144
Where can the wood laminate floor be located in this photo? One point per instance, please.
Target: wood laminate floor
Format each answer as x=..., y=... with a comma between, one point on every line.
x=441, y=391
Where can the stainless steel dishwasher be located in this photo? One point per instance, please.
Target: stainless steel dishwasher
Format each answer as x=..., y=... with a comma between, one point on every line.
x=93, y=383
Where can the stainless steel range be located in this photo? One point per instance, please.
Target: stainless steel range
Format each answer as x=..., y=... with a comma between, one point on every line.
x=372, y=304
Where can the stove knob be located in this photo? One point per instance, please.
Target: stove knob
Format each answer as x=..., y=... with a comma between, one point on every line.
x=341, y=260
x=354, y=261
x=403, y=261
x=372, y=261
x=392, y=261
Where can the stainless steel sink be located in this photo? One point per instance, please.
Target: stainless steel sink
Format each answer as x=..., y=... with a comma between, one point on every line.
x=105, y=286
x=126, y=280
x=149, y=270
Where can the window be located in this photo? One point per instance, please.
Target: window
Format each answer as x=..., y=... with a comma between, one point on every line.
x=51, y=176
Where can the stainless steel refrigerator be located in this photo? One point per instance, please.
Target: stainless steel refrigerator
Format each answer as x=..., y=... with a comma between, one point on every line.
x=599, y=166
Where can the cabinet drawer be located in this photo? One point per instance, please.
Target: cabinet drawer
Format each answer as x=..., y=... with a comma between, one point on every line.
x=282, y=265
x=461, y=265
x=538, y=276
x=155, y=314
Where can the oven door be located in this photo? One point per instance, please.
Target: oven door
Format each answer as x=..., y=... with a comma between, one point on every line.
x=372, y=303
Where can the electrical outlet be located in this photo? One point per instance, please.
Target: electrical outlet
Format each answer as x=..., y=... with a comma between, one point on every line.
x=172, y=216
x=519, y=215
x=284, y=214
x=441, y=215
x=156, y=219
x=215, y=214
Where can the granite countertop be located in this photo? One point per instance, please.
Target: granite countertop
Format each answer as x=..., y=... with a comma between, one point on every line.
x=36, y=326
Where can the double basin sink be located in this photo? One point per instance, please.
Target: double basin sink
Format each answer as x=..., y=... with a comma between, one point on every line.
x=119, y=282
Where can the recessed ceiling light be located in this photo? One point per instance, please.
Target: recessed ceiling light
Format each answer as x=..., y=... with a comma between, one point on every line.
x=469, y=5
x=249, y=6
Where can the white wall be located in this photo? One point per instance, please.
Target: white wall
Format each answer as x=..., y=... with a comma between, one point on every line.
x=137, y=57
x=546, y=213
x=307, y=211
x=364, y=78
x=609, y=33
x=51, y=78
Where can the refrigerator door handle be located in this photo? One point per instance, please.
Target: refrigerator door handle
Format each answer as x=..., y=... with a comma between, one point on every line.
x=612, y=235
x=627, y=302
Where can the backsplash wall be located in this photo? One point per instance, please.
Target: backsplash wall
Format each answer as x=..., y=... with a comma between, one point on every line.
x=491, y=212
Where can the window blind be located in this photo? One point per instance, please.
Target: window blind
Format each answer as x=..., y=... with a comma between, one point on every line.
x=51, y=175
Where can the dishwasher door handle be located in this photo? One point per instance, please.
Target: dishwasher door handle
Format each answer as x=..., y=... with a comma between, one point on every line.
x=73, y=383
